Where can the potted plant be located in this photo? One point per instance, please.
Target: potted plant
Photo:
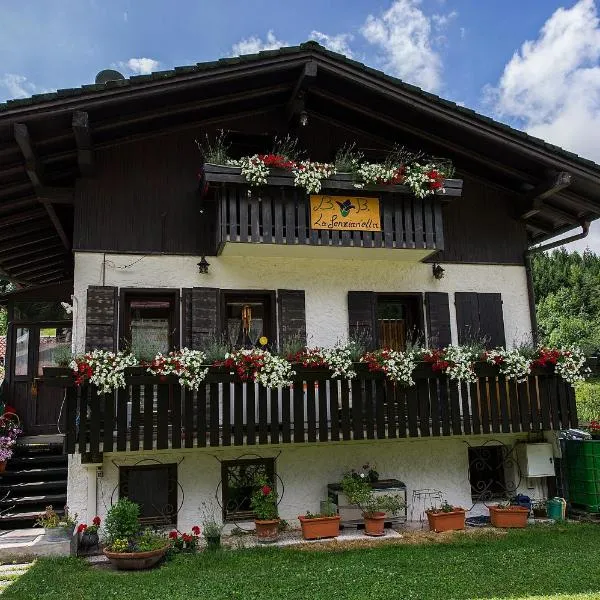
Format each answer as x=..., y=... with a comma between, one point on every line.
x=446, y=518
x=264, y=505
x=88, y=534
x=61, y=357
x=56, y=528
x=128, y=548
x=506, y=515
x=9, y=431
x=373, y=507
x=184, y=542
x=539, y=509
x=326, y=524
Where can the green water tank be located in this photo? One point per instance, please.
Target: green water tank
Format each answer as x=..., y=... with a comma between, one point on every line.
x=556, y=508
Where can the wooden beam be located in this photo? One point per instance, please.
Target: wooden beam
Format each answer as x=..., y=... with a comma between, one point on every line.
x=295, y=104
x=12, y=205
x=32, y=260
x=21, y=217
x=33, y=167
x=534, y=199
x=43, y=268
x=57, y=224
x=7, y=255
x=18, y=189
x=83, y=141
x=56, y=195
x=28, y=233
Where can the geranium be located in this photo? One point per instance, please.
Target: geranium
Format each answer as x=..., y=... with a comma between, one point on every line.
x=184, y=542
x=188, y=365
x=264, y=499
x=424, y=180
x=511, y=363
x=196, y=530
x=310, y=358
x=455, y=361
x=568, y=363
x=81, y=528
x=397, y=366
x=104, y=369
x=266, y=490
x=594, y=426
x=255, y=365
x=173, y=535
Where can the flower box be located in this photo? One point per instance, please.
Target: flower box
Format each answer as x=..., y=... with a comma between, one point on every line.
x=509, y=517
x=57, y=372
x=319, y=527
x=446, y=521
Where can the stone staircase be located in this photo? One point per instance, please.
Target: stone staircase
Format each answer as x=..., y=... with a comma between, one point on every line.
x=34, y=478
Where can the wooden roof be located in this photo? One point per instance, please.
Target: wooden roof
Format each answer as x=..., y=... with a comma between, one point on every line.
x=48, y=141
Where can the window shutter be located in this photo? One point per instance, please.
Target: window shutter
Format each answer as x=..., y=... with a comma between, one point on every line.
x=491, y=319
x=467, y=316
x=438, y=319
x=101, y=318
x=480, y=316
x=292, y=316
x=205, y=311
x=186, y=318
x=361, y=317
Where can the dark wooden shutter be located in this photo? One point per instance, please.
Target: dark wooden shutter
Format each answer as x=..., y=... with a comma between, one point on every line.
x=292, y=317
x=438, y=319
x=205, y=316
x=361, y=317
x=101, y=318
x=491, y=319
x=479, y=317
x=186, y=318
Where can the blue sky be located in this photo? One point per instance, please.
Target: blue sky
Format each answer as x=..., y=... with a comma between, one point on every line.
x=532, y=63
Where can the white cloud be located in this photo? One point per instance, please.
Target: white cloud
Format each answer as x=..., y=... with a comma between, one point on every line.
x=403, y=34
x=254, y=44
x=551, y=86
x=336, y=43
x=140, y=66
x=17, y=86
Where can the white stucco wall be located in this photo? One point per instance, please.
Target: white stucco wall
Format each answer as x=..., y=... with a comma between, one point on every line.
x=326, y=282
x=305, y=470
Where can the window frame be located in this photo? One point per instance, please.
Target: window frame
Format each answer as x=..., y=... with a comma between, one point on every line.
x=419, y=317
x=225, y=465
x=171, y=294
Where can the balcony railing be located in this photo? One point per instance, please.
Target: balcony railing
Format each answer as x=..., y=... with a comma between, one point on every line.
x=279, y=213
x=154, y=413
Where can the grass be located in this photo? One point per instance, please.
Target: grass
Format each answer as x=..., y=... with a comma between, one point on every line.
x=559, y=562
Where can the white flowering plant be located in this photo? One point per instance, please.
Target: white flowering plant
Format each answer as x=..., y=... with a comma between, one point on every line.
x=188, y=365
x=308, y=174
x=458, y=362
x=103, y=368
x=339, y=360
x=568, y=363
x=397, y=366
x=261, y=366
x=511, y=363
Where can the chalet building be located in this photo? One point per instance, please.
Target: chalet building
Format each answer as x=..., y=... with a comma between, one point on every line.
x=114, y=228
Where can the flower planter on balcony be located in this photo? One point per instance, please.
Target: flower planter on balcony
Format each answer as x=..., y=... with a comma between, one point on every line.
x=446, y=521
x=57, y=372
x=319, y=527
x=509, y=517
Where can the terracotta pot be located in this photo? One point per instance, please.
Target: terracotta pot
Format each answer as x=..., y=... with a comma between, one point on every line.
x=135, y=561
x=446, y=521
x=375, y=524
x=267, y=531
x=320, y=527
x=513, y=516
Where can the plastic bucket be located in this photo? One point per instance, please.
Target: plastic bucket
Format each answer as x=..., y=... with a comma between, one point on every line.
x=556, y=509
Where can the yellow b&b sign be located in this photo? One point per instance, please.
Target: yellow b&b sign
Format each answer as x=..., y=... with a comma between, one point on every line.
x=345, y=213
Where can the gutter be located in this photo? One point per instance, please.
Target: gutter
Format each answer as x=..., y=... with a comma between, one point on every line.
x=585, y=229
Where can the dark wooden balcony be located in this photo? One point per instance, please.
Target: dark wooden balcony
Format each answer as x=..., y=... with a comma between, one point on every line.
x=280, y=213
x=152, y=413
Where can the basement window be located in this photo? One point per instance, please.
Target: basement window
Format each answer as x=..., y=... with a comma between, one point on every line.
x=486, y=473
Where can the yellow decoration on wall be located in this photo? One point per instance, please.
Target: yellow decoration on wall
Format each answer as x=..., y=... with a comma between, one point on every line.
x=345, y=213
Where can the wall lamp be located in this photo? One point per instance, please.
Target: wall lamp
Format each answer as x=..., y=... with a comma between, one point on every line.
x=203, y=266
x=438, y=271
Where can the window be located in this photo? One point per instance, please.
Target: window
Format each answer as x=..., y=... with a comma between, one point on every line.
x=154, y=488
x=54, y=347
x=486, y=472
x=22, y=351
x=32, y=310
x=247, y=318
x=149, y=324
x=399, y=320
x=237, y=479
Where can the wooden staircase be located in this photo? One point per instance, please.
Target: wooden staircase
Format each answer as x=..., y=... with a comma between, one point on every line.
x=34, y=478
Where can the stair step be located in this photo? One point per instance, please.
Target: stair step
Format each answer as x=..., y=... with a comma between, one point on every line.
x=24, y=515
x=42, y=500
x=51, y=472
x=31, y=486
x=27, y=460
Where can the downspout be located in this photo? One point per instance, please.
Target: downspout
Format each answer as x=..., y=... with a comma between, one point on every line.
x=585, y=229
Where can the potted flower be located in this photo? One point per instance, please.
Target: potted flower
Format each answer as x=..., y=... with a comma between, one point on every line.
x=373, y=506
x=594, y=429
x=184, y=542
x=127, y=547
x=61, y=357
x=264, y=505
x=88, y=534
x=56, y=528
x=508, y=516
x=539, y=509
x=326, y=524
x=9, y=431
x=446, y=518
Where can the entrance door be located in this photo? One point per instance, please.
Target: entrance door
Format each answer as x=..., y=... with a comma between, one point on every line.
x=35, y=346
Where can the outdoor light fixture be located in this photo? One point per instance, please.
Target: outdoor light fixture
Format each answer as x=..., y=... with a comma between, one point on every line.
x=303, y=118
x=203, y=266
x=438, y=271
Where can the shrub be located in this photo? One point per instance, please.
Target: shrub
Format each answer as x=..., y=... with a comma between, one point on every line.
x=122, y=520
x=587, y=395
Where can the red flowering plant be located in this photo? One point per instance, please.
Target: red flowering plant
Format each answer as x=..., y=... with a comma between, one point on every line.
x=256, y=365
x=457, y=362
x=594, y=426
x=184, y=542
x=93, y=528
x=397, y=366
x=264, y=499
x=188, y=365
x=568, y=363
x=309, y=358
x=104, y=369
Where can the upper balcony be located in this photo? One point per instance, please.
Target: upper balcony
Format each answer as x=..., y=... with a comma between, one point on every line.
x=279, y=219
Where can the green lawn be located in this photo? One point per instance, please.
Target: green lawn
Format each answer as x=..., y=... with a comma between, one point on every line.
x=560, y=562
